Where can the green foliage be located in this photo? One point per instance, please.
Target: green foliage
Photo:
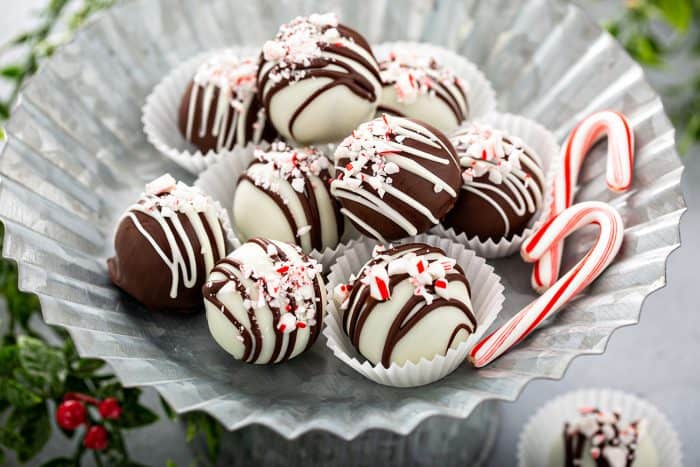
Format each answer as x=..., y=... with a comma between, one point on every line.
x=657, y=31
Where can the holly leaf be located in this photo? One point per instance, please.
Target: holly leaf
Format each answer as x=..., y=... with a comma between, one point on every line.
x=30, y=429
x=136, y=415
x=59, y=462
x=86, y=367
x=9, y=359
x=17, y=394
x=43, y=362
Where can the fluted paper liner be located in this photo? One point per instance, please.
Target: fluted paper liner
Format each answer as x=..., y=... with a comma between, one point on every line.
x=543, y=143
x=487, y=300
x=221, y=179
x=540, y=433
x=480, y=95
x=76, y=156
x=162, y=110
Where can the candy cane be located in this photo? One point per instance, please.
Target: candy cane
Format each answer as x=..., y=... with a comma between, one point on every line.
x=586, y=271
x=619, y=177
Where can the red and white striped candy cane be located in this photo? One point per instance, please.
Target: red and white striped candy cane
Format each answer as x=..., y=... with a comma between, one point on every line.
x=619, y=177
x=579, y=277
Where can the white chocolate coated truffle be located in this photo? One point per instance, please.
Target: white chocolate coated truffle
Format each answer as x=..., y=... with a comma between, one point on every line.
x=284, y=195
x=265, y=302
x=418, y=86
x=318, y=80
x=407, y=303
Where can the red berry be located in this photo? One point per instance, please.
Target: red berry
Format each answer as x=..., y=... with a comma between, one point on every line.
x=70, y=414
x=96, y=438
x=110, y=408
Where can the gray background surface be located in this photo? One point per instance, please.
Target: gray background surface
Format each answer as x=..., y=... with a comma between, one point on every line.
x=655, y=359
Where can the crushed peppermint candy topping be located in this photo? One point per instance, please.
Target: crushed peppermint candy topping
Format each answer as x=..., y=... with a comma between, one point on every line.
x=169, y=196
x=414, y=74
x=289, y=286
x=486, y=151
x=366, y=148
x=610, y=439
x=299, y=42
x=232, y=74
x=287, y=163
x=427, y=275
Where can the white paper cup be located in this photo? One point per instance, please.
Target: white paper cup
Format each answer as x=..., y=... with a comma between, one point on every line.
x=221, y=179
x=538, y=438
x=487, y=300
x=544, y=144
x=480, y=93
x=161, y=112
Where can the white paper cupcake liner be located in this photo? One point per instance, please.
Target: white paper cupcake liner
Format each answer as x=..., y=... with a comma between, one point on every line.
x=487, y=299
x=220, y=179
x=544, y=428
x=481, y=96
x=543, y=142
x=162, y=109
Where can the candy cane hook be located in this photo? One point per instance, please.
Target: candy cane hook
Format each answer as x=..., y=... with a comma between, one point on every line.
x=552, y=233
x=620, y=161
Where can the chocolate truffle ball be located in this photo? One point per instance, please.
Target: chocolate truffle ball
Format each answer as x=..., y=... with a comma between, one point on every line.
x=395, y=177
x=265, y=302
x=503, y=184
x=407, y=303
x=221, y=108
x=284, y=195
x=318, y=79
x=599, y=438
x=417, y=86
x=165, y=245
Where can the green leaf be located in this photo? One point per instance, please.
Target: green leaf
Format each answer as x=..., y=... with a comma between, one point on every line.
x=30, y=429
x=136, y=415
x=18, y=395
x=170, y=463
x=678, y=13
x=85, y=367
x=644, y=49
x=59, y=462
x=11, y=72
x=9, y=359
x=41, y=361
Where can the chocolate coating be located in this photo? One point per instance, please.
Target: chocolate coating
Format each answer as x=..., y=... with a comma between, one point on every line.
x=500, y=196
x=421, y=189
x=209, y=141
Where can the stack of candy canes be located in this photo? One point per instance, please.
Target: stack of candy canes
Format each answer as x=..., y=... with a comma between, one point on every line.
x=564, y=217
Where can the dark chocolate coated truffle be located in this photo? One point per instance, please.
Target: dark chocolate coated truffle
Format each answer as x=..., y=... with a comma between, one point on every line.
x=395, y=177
x=503, y=184
x=166, y=244
x=220, y=108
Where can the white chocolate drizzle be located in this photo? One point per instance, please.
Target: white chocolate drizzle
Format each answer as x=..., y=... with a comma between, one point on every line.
x=497, y=167
x=164, y=201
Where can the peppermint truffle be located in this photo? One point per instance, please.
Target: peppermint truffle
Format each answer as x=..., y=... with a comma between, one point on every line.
x=395, y=177
x=418, y=86
x=220, y=108
x=284, y=195
x=165, y=245
x=318, y=79
x=502, y=187
x=599, y=439
x=407, y=303
x=265, y=302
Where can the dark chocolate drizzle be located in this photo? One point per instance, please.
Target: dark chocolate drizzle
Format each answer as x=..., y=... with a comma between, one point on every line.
x=575, y=443
x=309, y=203
x=253, y=344
x=357, y=83
x=361, y=304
